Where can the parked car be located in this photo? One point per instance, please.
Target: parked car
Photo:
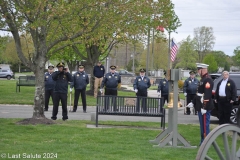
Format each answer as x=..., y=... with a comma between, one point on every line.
x=125, y=72
x=215, y=75
x=6, y=73
x=236, y=78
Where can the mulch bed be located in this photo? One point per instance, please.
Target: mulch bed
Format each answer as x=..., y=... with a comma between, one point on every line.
x=35, y=121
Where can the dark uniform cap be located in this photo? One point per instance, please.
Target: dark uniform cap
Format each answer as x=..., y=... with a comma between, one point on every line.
x=113, y=67
x=50, y=67
x=61, y=64
x=81, y=66
x=142, y=70
x=192, y=72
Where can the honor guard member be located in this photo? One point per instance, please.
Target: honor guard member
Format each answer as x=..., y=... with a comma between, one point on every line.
x=80, y=82
x=62, y=77
x=163, y=88
x=98, y=72
x=190, y=89
x=49, y=86
x=203, y=102
x=225, y=96
x=140, y=86
x=111, y=82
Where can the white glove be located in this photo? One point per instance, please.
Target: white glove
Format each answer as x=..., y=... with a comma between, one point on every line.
x=201, y=99
x=185, y=94
x=135, y=90
x=190, y=105
x=70, y=89
x=203, y=111
x=101, y=90
x=159, y=94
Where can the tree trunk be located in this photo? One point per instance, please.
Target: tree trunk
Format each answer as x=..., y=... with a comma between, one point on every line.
x=89, y=71
x=39, y=98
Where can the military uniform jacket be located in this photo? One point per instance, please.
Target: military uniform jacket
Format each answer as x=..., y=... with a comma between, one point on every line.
x=111, y=81
x=205, y=87
x=230, y=90
x=163, y=87
x=62, y=79
x=49, y=82
x=80, y=80
x=190, y=87
x=142, y=84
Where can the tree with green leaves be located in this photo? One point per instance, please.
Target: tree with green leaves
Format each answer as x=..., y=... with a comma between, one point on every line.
x=110, y=26
x=44, y=21
x=220, y=57
x=204, y=41
x=96, y=25
x=3, y=44
x=187, y=56
x=236, y=57
x=210, y=60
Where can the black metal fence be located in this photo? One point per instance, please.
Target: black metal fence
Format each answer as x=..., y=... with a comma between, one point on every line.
x=130, y=106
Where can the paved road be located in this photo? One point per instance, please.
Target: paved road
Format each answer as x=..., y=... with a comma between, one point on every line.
x=26, y=111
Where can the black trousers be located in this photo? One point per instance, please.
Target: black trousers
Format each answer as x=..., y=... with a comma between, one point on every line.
x=190, y=98
x=165, y=98
x=110, y=101
x=141, y=98
x=57, y=97
x=48, y=94
x=83, y=97
x=224, y=110
x=112, y=92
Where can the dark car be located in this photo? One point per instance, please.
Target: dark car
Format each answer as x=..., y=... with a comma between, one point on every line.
x=215, y=75
x=236, y=78
x=125, y=72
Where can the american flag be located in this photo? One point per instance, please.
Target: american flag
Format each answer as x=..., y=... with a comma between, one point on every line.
x=174, y=49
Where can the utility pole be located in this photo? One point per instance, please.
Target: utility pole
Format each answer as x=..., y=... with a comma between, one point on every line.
x=148, y=50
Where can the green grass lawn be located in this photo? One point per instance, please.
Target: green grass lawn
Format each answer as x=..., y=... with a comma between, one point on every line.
x=73, y=140
x=26, y=95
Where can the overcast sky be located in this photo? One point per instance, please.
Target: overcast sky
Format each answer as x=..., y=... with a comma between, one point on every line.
x=222, y=15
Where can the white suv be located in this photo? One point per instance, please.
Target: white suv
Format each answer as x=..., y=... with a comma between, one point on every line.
x=6, y=73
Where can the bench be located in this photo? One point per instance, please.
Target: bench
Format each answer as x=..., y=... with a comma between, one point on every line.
x=25, y=81
x=131, y=106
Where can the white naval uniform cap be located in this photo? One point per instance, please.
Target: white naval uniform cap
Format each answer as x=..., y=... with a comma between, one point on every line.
x=201, y=65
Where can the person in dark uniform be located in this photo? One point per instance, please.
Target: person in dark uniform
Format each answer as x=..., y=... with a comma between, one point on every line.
x=62, y=77
x=80, y=82
x=140, y=86
x=98, y=72
x=203, y=102
x=190, y=89
x=225, y=95
x=163, y=88
x=111, y=82
x=49, y=86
